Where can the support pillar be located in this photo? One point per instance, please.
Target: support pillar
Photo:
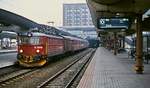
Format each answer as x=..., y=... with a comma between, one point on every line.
x=123, y=46
x=147, y=43
x=120, y=43
x=115, y=43
x=139, y=68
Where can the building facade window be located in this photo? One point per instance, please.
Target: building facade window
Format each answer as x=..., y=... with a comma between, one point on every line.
x=76, y=15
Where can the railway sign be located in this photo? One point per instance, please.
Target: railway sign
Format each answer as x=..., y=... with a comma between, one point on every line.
x=113, y=23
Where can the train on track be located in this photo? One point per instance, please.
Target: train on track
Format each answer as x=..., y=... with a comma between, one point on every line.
x=38, y=42
x=36, y=46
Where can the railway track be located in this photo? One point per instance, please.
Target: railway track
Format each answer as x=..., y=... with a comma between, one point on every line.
x=31, y=78
x=65, y=77
x=11, y=77
x=7, y=70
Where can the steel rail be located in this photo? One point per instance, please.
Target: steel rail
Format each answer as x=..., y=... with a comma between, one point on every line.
x=75, y=76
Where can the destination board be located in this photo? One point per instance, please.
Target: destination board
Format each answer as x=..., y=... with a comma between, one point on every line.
x=113, y=23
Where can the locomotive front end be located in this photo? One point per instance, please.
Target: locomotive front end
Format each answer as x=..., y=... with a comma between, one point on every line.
x=31, y=52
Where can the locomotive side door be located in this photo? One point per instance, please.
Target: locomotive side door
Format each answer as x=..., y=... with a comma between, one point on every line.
x=66, y=45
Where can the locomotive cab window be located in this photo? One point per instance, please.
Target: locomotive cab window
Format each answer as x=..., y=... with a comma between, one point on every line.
x=29, y=40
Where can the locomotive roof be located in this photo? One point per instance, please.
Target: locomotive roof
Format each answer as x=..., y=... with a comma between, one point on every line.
x=38, y=34
x=74, y=38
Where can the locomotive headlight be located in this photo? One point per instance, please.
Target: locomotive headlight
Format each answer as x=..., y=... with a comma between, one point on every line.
x=21, y=51
x=37, y=50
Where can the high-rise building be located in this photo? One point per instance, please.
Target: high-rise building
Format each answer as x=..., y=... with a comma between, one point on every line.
x=76, y=15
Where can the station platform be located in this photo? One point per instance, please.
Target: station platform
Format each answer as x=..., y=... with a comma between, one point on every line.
x=7, y=57
x=109, y=71
x=7, y=51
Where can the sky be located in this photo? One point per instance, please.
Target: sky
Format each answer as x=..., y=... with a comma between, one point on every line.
x=40, y=11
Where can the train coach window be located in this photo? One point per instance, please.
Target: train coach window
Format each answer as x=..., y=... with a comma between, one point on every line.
x=29, y=40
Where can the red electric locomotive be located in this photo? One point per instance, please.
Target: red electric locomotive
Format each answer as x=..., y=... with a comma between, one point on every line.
x=34, y=48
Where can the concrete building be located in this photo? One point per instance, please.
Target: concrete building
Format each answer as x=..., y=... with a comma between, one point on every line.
x=76, y=15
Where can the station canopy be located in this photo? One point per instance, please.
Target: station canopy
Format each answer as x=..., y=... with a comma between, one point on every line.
x=8, y=18
x=117, y=8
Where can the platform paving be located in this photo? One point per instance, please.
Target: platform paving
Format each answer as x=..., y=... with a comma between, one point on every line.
x=7, y=51
x=109, y=71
